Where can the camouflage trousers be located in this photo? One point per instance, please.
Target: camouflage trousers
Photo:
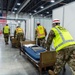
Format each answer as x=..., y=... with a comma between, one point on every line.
x=66, y=55
x=6, y=37
x=20, y=36
x=41, y=41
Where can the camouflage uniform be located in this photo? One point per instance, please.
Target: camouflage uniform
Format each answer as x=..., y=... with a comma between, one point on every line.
x=66, y=55
x=40, y=41
x=20, y=36
x=6, y=36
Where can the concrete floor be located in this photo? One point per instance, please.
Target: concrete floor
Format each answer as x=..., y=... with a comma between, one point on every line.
x=12, y=63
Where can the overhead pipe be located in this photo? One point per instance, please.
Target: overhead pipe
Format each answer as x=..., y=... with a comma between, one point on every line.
x=23, y=5
x=47, y=7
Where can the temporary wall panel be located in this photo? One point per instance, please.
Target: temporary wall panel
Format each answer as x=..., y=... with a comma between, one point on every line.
x=69, y=18
x=66, y=14
x=28, y=29
x=23, y=26
x=32, y=29
x=58, y=14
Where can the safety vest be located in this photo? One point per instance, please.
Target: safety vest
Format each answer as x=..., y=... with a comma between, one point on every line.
x=6, y=29
x=19, y=30
x=40, y=32
x=62, y=38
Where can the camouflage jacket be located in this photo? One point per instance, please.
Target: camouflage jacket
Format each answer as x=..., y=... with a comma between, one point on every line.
x=50, y=39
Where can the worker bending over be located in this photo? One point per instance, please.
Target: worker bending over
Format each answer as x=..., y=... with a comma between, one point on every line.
x=64, y=45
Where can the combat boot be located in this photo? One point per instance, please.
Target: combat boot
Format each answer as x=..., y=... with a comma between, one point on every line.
x=51, y=72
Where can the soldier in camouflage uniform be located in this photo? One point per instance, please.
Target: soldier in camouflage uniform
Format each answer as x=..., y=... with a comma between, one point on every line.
x=40, y=34
x=65, y=49
x=19, y=35
x=6, y=32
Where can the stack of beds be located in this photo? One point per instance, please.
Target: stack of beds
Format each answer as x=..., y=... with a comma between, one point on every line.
x=38, y=55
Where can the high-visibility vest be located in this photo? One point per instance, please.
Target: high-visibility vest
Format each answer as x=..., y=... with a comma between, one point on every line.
x=19, y=30
x=40, y=31
x=62, y=38
x=6, y=29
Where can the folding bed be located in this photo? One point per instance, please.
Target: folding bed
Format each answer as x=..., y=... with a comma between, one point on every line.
x=38, y=55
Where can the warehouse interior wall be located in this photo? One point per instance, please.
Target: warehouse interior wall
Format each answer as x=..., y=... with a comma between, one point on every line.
x=66, y=14
x=69, y=18
x=58, y=14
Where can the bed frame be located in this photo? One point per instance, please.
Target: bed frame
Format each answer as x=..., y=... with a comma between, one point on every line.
x=47, y=59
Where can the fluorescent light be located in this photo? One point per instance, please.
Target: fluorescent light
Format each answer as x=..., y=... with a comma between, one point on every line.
x=15, y=8
x=52, y=1
x=13, y=12
x=18, y=3
x=47, y=12
x=34, y=10
x=42, y=7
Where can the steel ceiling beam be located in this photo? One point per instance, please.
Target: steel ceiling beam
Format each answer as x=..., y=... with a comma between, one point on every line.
x=23, y=5
x=47, y=7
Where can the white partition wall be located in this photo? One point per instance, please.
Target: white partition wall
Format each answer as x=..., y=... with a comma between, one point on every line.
x=28, y=29
x=32, y=29
x=59, y=14
x=66, y=14
x=47, y=23
x=23, y=26
x=69, y=18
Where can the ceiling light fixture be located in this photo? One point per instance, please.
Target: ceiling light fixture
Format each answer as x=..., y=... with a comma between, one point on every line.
x=15, y=8
x=18, y=3
x=52, y=1
x=42, y=7
x=47, y=12
x=13, y=12
x=34, y=10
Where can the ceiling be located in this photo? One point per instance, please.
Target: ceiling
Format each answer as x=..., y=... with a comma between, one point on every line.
x=34, y=7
